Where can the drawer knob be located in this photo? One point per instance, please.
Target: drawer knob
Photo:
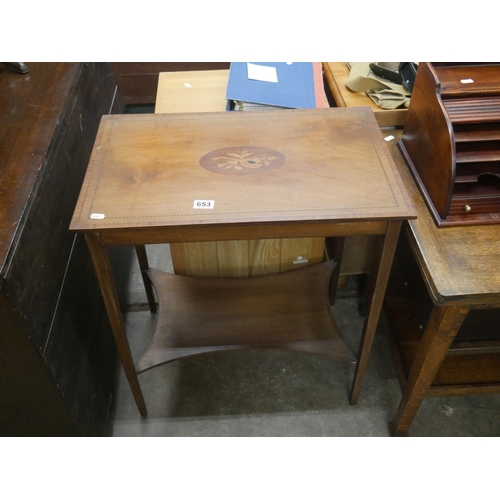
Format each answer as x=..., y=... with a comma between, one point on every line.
x=467, y=208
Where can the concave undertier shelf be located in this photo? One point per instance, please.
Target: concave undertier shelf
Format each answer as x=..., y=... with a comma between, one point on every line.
x=289, y=311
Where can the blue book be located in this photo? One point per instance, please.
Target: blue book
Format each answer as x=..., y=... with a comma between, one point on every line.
x=288, y=85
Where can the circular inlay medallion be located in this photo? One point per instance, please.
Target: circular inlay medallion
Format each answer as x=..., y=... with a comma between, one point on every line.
x=237, y=160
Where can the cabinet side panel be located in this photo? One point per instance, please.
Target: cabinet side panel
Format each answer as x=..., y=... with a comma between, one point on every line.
x=31, y=403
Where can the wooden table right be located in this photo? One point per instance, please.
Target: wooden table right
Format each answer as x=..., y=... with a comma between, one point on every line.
x=442, y=307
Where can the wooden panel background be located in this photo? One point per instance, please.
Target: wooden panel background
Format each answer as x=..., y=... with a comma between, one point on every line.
x=246, y=258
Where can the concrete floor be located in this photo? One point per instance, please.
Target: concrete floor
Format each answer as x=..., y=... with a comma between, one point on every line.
x=279, y=393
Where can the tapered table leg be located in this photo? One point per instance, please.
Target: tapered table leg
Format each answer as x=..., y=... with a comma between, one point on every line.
x=102, y=267
x=440, y=332
x=377, y=284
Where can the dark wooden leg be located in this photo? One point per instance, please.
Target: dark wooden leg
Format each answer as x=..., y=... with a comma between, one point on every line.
x=142, y=256
x=440, y=332
x=375, y=296
x=104, y=274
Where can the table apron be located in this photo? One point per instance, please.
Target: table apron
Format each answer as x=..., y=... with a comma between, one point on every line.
x=182, y=234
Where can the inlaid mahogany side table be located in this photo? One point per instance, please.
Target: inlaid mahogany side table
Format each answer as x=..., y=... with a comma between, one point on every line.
x=176, y=178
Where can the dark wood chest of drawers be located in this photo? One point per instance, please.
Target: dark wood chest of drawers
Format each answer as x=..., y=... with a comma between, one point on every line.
x=57, y=368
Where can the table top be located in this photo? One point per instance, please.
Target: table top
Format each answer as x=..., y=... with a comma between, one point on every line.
x=336, y=75
x=267, y=167
x=192, y=91
x=460, y=264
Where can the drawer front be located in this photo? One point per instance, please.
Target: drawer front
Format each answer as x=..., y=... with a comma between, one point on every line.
x=470, y=205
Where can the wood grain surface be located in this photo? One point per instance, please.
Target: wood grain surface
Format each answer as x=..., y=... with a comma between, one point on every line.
x=288, y=312
x=145, y=170
x=461, y=264
x=23, y=148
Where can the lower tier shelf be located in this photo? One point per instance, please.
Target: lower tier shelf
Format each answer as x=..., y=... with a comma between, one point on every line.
x=289, y=311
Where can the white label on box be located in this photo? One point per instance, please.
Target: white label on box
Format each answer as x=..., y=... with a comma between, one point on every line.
x=467, y=80
x=97, y=216
x=205, y=204
x=262, y=73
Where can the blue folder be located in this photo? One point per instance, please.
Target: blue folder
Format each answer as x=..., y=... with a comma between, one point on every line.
x=294, y=89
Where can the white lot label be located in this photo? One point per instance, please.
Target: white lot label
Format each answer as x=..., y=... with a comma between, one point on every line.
x=262, y=73
x=204, y=204
x=97, y=216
